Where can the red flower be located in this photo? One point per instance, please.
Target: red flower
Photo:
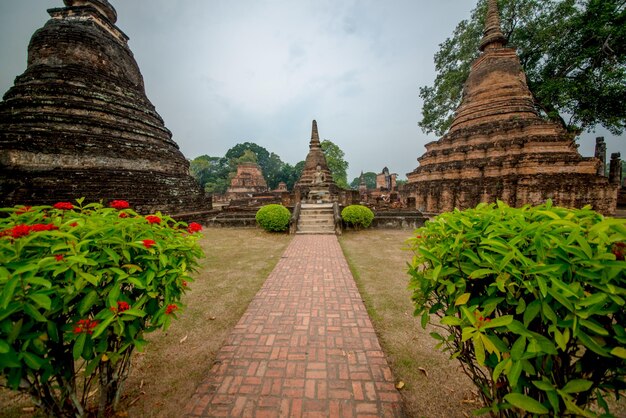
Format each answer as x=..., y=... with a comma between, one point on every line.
x=170, y=308
x=20, y=231
x=74, y=224
x=123, y=215
x=59, y=257
x=43, y=227
x=63, y=206
x=194, y=227
x=153, y=219
x=184, y=283
x=23, y=210
x=148, y=243
x=122, y=306
x=85, y=326
x=119, y=204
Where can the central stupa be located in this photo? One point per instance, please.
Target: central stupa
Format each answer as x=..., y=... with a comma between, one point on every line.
x=78, y=123
x=316, y=182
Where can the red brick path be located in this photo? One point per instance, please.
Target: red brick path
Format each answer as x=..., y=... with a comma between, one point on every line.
x=304, y=348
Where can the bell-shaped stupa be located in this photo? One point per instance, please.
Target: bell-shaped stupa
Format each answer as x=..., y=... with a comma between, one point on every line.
x=499, y=147
x=316, y=181
x=77, y=123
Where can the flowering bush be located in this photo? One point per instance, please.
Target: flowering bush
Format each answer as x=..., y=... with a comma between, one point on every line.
x=273, y=218
x=358, y=216
x=79, y=288
x=532, y=301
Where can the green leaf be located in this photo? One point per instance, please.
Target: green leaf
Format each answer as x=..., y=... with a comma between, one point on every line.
x=41, y=300
x=34, y=313
x=102, y=326
x=619, y=352
x=479, y=350
x=545, y=386
x=480, y=273
x=32, y=360
x=518, y=349
x=591, y=344
x=595, y=299
x=87, y=302
x=577, y=385
x=594, y=327
x=525, y=403
x=500, y=367
x=38, y=281
x=79, y=344
x=514, y=372
x=451, y=321
x=4, y=347
x=462, y=300
x=499, y=321
x=532, y=310
x=8, y=291
x=134, y=312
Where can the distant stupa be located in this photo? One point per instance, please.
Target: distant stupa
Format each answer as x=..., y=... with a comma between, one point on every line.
x=78, y=123
x=498, y=147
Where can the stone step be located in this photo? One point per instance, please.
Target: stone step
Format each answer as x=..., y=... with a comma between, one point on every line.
x=315, y=232
x=316, y=220
x=316, y=212
x=316, y=206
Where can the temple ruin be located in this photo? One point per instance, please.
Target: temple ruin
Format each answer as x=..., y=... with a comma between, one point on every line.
x=77, y=123
x=499, y=147
x=248, y=180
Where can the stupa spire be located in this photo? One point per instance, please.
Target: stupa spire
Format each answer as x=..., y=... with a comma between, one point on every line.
x=315, y=137
x=492, y=35
x=103, y=6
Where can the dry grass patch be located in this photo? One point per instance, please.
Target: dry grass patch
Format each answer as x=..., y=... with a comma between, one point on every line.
x=435, y=385
x=165, y=376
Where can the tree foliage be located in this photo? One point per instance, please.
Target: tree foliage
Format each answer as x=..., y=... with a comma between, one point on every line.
x=215, y=173
x=573, y=53
x=336, y=163
x=370, y=181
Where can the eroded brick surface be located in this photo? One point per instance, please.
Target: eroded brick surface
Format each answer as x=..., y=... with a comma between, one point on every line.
x=304, y=348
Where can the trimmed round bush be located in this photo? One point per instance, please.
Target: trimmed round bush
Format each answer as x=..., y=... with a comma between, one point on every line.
x=358, y=216
x=531, y=301
x=273, y=218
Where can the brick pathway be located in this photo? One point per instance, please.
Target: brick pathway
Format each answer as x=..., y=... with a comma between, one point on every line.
x=304, y=348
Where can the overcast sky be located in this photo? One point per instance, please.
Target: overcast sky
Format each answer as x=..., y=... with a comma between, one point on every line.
x=224, y=72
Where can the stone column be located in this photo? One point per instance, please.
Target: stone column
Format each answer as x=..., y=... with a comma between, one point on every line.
x=600, y=154
x=615, y=169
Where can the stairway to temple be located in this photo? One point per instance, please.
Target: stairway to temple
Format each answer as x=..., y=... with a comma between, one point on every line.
x=316, y=218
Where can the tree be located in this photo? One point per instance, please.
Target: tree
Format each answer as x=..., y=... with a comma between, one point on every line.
x=290, y=174
x=370, y=181
x=336, y=163
x=573, y=53
x=211, y=172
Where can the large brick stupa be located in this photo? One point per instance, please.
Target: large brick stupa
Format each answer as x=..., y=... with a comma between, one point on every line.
x=77, y=122
x=499, y=147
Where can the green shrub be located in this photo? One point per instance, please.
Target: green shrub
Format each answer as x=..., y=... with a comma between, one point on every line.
x=79, y=287
x=532, y=300
x=358, y=216
x=273, y=218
